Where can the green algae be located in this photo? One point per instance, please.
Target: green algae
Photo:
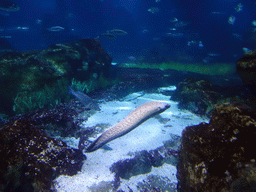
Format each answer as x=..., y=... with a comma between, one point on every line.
x=50, y=95
x=206, y=69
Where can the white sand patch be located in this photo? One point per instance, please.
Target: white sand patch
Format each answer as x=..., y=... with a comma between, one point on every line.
x=148, y=136
x=164, y=171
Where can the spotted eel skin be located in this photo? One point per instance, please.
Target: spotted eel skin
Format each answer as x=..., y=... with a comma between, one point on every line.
x=130, y=122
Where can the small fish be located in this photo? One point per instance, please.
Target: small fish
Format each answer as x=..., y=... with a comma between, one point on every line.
x=108, y=35
x=200, y=44
x=254, y=23
x=208, y=60
x=88, y=102
x=173, y=29
x=174, y=34
x=217, y=13
x=39, y=21
x=156, y=38
x=214, y=54
x=6, y=37
x=22, y=28
x=181, y=24
x=231, y=20
x=153, y=10
x=173, y=20
x=8, y=6
x=246, y=50
x=132, y=58
x=191, y=43
x=239, y=7
x=56, y=28
x=237, y=36
x=144, y=31
x=117, y=32
x=157, y=1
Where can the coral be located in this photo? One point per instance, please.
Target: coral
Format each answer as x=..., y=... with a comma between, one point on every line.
x=30, y=160
x=219, y=156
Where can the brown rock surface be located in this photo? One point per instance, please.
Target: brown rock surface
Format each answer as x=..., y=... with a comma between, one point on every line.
x=219, y=156
x=246, y=68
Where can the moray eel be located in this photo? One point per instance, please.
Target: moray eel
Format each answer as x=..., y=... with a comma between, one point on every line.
x=130, y=122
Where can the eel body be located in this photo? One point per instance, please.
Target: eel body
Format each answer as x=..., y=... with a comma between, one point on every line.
x=130, y=122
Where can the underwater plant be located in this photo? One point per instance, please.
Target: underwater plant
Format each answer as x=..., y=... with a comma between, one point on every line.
x=50, y=95
x=213, y=69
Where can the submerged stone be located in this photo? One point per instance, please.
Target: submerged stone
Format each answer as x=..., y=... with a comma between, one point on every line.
x=30, y=160
x=246, y=68
x=195, y=95
x=40, y=78
x=219, y=156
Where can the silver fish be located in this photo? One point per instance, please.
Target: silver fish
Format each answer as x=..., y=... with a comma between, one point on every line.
x=117, y=32
x=88, y=102
x=108, y=35
x=173, y=20
x=153, y=10
x=56, y=28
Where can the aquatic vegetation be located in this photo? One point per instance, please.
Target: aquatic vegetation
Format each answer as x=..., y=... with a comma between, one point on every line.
x=212, y=69
x=50, y=95
x=40, y=78
x=79, y=85
x=96, y=82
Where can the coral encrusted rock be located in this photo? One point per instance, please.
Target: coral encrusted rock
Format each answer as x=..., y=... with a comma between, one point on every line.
x=40, y=78
x=197, y=96
x=30, y=160
x=246, y=68
x=219, y=156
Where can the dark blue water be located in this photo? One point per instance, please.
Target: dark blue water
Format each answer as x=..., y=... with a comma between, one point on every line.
x=206, y=22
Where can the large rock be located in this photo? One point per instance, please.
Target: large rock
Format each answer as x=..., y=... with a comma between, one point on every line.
x=198, y=96
x=37, y=79
x=30, y=160
x=246, y=68
x=219, y=156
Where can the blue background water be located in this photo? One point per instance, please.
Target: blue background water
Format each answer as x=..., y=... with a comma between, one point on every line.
x=90, y=18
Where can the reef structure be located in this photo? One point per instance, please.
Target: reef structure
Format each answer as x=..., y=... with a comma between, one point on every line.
x=246, y=68
x=219, y=156
x=198, y=96
x=30, y=160
x=40, y=78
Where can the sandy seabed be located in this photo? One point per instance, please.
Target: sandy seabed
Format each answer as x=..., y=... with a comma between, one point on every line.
x=148, y=136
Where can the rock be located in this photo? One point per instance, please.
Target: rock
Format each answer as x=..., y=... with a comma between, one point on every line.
x=61, y=120
x=197, y=96
x=40, y=78
x=143, y=161
x=246, y=68
x=219, y=156
x=30, y=160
